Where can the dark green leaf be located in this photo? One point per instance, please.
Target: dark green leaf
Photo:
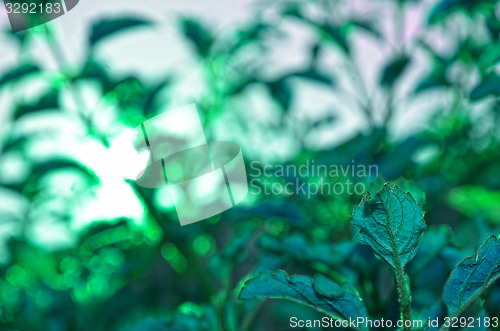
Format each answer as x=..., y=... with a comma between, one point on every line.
x=393, y=70
x=48, y=101
x=108, y=27
x=18, y=73
x=53, y=165
x=472, y=277
x=301, y=249
x=432, y=81
x=150, y=101
x=199, y=36
x=445, y=7
x=391, y=223
x=442, y=9
x=488, y=86
x=366, y=25
x=338, y=301
x=281, y=92
x=337, y=35
x=432, y=243
x=314, y=75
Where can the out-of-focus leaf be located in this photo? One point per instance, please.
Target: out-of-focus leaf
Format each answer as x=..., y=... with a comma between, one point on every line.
x=18, y=73
x=189, y=317
x=314, y=75
x=47, y=101
x=394, y=70
x=476, y=201
x=199, y=36
x=221, y=264
x=325, y=121
x=108, y=27
x=294, y=11
x=489, y=57
x=493, y=25
x=445, y=7
x=149, y=104
x=32, y=258
x=338, y=301
x=410, y=186
x=391, y=223
x=151, y=324
x=442, y=9
x=297, y=247
x=17, y=143
x=472, y=277
x=94, y=70
x=435, y=79
x=367, y=26
x=431, y=244
x=336, y=35
x=46, y=167
x=488, y=86
x=288, y=211
x=281, y=92
x=241, y=86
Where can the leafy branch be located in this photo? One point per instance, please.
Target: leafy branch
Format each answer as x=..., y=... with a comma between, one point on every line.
x=391, y=223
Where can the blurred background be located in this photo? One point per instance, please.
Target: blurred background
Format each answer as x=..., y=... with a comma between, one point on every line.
x=408, y=86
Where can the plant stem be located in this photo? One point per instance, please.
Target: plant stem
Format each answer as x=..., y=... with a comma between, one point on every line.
x=404, y=295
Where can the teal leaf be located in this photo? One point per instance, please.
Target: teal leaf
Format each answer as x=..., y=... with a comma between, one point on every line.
x=108, y=27
x=445, y=7
x=432, y=243
x=47, y=101
x=301, y=249
x=336, y=35
x=488, y=86
x=472, y=277
x=394, y=70
x=391, y=223
x=368, y=26
x=314, y=75
x=281, y=92
x=442, y=9
x=434, y=80
x=18, y=73
x=338, y=301
x=199, y=36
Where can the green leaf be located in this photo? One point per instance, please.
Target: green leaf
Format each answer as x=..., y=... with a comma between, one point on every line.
x=303, y=250
x=47, y=101
x=476, y=201
x=445, y=7
x=391, y=223
x=18, y=73
x=108, y=27
x=281, y=92
x=442, y=9
x=338, y=301
x=368, y=26
x=434, y=80
x=314, y=75
x=472, y=277
x=199, y=35
x=488, y=86
x=432, y=243
x=337, y=35
x=393, y=70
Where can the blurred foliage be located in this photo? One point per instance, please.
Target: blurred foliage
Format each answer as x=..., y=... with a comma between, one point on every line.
x=145, y=272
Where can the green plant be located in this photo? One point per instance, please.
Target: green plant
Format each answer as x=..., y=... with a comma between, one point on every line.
x=68, y=263
x=391, y=223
